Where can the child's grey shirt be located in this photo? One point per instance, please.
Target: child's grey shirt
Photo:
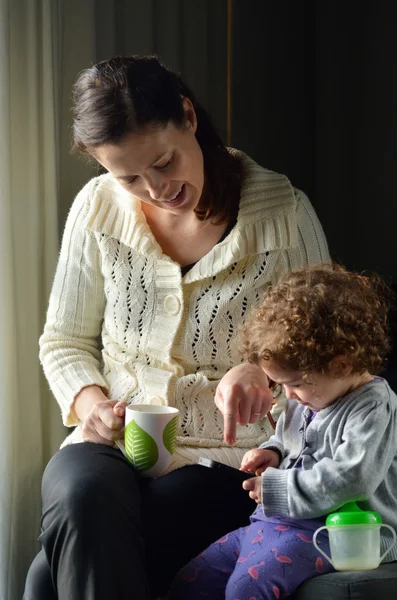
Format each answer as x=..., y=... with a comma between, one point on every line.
x=348, y=452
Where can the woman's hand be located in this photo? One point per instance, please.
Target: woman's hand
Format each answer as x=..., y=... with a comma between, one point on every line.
x=254, y=486
x=243, y=396
x=105, y=422
x=258, y=460
x=103, y=419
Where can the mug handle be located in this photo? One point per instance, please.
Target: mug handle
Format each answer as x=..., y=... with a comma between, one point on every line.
x=392, y=544
x=321, y=551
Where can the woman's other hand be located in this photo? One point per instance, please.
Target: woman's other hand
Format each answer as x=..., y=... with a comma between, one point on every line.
x=259, y=459
x=254, y=487
x=243, y=396
x=103, y=419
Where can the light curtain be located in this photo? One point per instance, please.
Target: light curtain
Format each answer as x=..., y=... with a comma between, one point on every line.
x=30, y=428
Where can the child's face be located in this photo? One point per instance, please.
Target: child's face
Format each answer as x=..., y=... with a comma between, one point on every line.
x=317, y=391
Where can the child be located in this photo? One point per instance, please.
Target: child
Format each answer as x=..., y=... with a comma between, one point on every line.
x=321, y=334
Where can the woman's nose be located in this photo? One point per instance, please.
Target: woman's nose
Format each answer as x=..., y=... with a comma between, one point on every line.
x=156, y=186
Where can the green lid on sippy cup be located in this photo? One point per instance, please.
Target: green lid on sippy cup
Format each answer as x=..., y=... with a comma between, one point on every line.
x=351, y=514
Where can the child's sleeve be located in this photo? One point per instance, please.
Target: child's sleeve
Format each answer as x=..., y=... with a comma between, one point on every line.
x=358, y=466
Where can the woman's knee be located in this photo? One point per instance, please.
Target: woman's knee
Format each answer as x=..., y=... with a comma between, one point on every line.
x=85, y=479
x=38, y=584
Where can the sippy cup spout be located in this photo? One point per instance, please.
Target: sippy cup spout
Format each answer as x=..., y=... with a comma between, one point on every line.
x=350, y=507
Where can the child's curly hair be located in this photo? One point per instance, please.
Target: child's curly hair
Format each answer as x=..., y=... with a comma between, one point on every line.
x=315, y=314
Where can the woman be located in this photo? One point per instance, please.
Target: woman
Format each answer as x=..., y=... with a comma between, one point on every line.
x=160, y=261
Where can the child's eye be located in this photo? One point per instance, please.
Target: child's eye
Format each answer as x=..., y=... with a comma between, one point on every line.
x=130, y=180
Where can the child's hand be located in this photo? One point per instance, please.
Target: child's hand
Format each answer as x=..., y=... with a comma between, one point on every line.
x=258, y=460
x=254, y=486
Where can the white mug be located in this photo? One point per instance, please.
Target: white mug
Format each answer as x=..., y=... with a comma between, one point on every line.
x=150, y=437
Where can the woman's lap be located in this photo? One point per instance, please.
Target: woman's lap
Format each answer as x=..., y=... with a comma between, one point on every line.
x=94, y=491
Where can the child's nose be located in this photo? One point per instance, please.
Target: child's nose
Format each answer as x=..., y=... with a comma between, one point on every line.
x=290, y=394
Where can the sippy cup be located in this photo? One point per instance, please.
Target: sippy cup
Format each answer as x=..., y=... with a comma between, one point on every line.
x=354, y=538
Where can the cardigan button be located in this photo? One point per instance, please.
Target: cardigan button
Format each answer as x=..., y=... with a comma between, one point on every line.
x=172, y=305
x=157, y=401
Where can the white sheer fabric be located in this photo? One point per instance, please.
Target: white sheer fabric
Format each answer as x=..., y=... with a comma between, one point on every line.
x=30, y=427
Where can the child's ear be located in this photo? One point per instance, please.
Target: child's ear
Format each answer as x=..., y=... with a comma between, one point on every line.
x=340, y=367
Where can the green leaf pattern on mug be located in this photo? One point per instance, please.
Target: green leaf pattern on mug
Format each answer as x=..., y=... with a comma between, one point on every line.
x=141, y=447
x=169, y=435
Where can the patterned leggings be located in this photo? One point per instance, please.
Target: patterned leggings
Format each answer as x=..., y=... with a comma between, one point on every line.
x=266, y=560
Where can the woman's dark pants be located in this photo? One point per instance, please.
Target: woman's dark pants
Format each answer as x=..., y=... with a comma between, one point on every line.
x=109, y=533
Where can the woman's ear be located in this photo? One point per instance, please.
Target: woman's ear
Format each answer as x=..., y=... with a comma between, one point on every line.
x=340, y=367
x=190, y=114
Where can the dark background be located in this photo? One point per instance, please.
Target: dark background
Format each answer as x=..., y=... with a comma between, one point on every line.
x=320, y=82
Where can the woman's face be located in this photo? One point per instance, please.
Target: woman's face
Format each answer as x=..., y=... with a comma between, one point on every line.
x=161, y=166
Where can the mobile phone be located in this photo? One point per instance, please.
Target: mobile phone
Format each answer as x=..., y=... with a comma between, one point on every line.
x=213, y=464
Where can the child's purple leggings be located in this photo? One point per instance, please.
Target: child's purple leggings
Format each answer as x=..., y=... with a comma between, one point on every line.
x=268, y=559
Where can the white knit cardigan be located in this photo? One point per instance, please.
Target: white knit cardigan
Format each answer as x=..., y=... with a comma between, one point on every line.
x=121, y=315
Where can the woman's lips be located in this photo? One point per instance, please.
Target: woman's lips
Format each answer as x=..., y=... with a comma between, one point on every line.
x=179, y=199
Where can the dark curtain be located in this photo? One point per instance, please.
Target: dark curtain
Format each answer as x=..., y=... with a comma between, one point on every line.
x=314, y=96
